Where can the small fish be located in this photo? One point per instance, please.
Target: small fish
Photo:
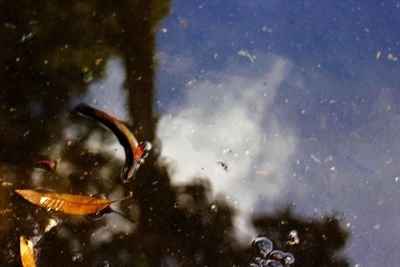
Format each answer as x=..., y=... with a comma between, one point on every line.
x=135, y=152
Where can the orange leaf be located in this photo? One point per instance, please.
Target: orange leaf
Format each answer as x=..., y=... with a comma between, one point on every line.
x=27, y=252
x=67, y=203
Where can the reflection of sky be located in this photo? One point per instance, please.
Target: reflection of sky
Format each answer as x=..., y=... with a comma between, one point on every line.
x=298, y=99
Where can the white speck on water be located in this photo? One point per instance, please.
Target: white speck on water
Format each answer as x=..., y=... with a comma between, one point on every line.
x=329, y=158
x=245, y=53
x=214, y=208
x=265, y=28
x=315, y=158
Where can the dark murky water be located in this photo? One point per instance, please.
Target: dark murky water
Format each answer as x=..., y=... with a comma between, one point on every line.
x=271, y=121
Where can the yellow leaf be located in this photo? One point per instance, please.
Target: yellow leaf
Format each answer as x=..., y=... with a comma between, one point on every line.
x=27, y=252
x=66, y=203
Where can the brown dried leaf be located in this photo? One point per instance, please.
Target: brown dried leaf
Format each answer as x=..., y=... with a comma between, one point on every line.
x=27, y=252
x=66, y=203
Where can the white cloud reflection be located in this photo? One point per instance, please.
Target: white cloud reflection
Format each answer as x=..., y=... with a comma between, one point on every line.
x=228, y=119
x=108, y=93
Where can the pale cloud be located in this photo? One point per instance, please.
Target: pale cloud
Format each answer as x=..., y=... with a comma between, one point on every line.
x=108, y=93
x=230, y=119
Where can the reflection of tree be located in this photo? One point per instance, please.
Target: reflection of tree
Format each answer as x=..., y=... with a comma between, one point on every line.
x=51, y=50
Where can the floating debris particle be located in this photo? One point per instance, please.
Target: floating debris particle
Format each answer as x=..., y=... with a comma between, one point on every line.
x=378, y=55
x=50, y=224
x=9, y=26
x=315, y=158
x=245, y=53
x=26, y=134
x=223, y=165
x=5, y=184
x=26, y=37
x=214, y=208
x=293, y=238
x=262, y=172
x=77, y=257
x=392, y=57
x=190, y=83
x=98, y=61
x=87, y=75
x=183, y=22
x=266, y=29
x=5, y=211
x=225, y=151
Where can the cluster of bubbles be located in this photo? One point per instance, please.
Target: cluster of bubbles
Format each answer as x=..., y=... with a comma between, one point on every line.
x=268, y=256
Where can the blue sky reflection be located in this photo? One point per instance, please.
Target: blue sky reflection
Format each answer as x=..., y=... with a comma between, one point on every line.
x=309, y=109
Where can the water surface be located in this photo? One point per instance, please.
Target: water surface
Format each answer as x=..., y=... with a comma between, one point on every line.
x=265, y=117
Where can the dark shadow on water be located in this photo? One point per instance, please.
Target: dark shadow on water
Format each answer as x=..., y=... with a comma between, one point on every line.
x=50, y=52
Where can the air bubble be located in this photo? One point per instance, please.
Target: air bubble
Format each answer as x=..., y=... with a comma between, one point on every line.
x=263, y=246
x=288, y=259
x=267, y=257
x=273, y=263
x=277, y=255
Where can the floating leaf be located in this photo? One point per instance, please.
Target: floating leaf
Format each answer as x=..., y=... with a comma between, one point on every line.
x=66, y=203
x=134, y=152
x=27, y=252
